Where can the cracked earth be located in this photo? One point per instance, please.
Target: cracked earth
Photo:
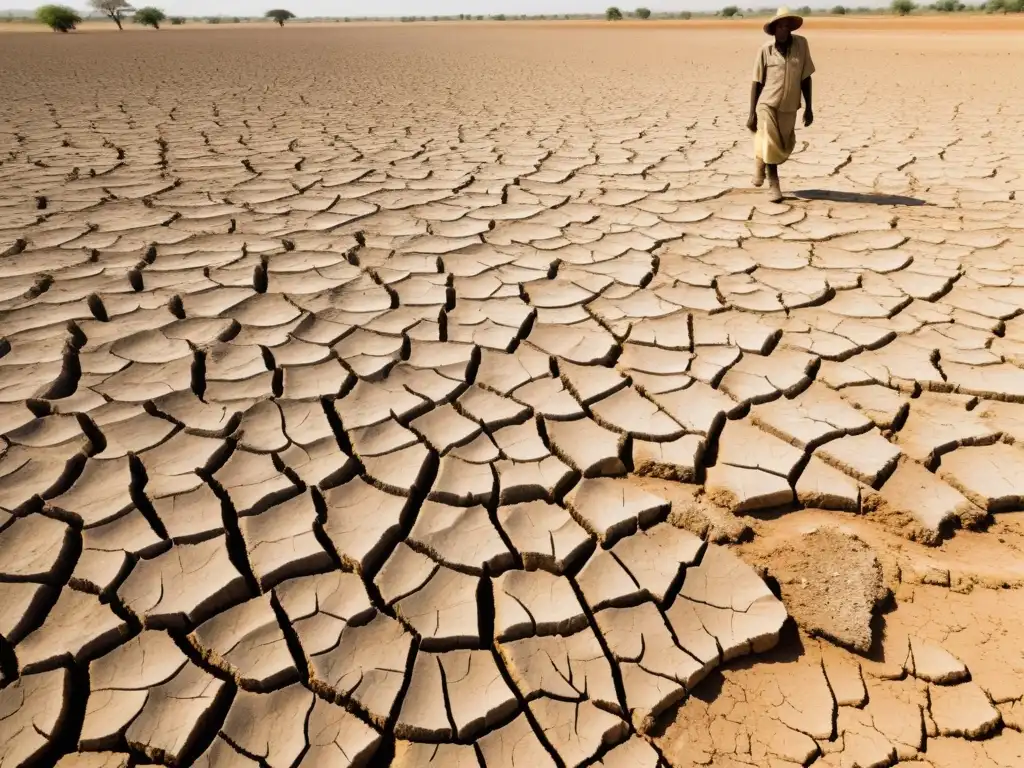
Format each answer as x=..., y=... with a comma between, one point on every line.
x=418, y=397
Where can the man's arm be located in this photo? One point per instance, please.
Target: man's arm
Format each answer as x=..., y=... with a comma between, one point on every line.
x=805, y=88
x=755, y=94
x=805, y=83
x=757, y=85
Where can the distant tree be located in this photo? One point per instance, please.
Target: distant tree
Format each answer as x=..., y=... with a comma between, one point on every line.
x=280, y=15
x=235, y=20
x=686, y=15
x=613, y=14
x=948, y=6
x=805, y=10
x=149, y=17
x=839, y=10
x=115, y=9
x=903, y=7
x=1015, y=6
x=643, y=13
x=176, y=21
x=995, y=6
x=729, y=11
x=213, y=20
x=59, y=18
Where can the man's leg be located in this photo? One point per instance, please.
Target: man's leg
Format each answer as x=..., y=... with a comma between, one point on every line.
x=759, y=167
x=774, y=188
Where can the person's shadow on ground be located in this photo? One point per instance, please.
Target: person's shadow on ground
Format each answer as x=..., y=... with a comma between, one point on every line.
x=857, y=197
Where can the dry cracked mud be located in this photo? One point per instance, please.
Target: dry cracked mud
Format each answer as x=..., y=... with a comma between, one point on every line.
x=434, y=396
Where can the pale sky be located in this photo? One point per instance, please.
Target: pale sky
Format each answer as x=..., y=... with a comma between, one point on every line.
x=341, y=8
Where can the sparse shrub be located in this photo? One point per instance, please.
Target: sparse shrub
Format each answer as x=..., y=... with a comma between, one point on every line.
x=149, y=17
x=948, y=6
x=213, y=20
x=729, y=11
x=235, y=20
x=177, y=21
x=643, y=13
x=279, y=15
x=499, y=17
x=903, y=7
x=839, y=10
x=686, y=15
x=59, y=18
x=613, y=14
x=114, y=9
x=805, y=10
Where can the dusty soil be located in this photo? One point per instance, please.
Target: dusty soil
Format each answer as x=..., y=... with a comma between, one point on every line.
x=395, y=395
x=831, y=583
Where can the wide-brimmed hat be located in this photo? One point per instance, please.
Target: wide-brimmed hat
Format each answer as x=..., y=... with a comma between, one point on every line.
x=783, y=13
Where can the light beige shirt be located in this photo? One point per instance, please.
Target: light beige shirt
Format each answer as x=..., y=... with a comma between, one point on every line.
x=782, y=75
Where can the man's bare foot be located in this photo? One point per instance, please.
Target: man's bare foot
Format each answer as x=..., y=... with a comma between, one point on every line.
x=758, y=179
x=774, y=188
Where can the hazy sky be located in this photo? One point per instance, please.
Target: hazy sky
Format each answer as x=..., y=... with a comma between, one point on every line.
x=420, y=7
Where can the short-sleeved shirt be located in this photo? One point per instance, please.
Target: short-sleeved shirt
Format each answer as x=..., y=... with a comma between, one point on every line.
x=782, y=75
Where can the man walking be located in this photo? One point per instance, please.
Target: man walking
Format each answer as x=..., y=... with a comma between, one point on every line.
x=782, y=73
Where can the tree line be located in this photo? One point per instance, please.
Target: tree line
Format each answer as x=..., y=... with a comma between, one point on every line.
x=63, y=18
x=907, y=7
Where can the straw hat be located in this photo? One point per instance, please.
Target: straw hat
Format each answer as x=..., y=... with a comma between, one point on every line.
x=783, y=13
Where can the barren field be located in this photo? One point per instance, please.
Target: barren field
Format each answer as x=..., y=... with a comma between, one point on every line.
x=443, y=395
x=944, y=23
